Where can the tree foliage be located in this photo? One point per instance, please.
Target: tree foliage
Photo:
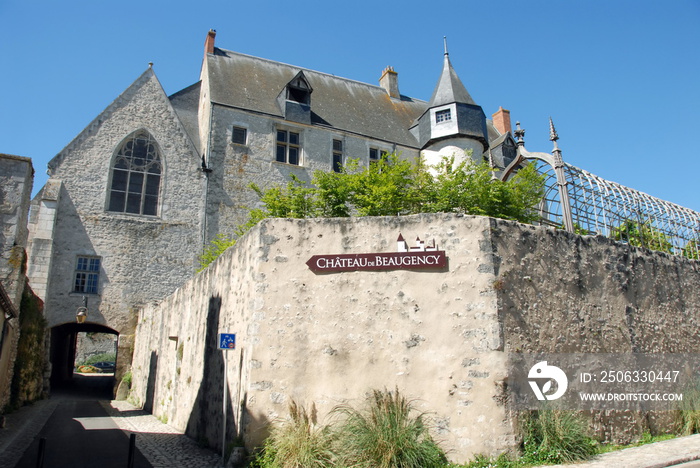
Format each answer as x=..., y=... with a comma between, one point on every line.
x=691, y=250
x=393, y=186
x=642, y=235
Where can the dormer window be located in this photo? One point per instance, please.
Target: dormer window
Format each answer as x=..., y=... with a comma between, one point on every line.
x=443, y=116
x=295, y=100
x=298, y=90
x=299, y=95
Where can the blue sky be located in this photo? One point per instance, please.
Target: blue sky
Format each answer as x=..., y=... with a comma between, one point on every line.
x=621, y=79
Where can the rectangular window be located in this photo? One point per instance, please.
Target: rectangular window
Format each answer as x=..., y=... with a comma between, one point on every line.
x=443, y=116
x=87, y=275
x=239, y=135
x=288, y=148
x=337, y=155
x=376, y=154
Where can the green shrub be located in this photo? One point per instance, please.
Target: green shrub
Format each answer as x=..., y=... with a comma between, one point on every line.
x=642, y=234
x=297, y=442
x=502, y=461
x=386, y=433
x=688, y=412
x=556, y=436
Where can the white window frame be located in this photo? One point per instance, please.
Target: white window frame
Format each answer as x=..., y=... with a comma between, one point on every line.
x=86, y=274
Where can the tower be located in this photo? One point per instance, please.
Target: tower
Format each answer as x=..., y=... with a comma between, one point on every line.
x=452, y=123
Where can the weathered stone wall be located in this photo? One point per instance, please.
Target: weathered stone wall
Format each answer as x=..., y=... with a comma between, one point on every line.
x=329, y=338
x=92, y=344
x=441, y=337
x=16, y=178
x=142, y=257
x=570, y=294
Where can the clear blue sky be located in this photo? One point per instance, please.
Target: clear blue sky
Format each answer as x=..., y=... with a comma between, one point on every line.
x=621, y=79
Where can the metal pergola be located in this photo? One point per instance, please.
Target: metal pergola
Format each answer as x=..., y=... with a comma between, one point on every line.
x=581, y=202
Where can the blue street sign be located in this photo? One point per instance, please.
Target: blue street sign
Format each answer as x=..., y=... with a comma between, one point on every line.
x=227, y=341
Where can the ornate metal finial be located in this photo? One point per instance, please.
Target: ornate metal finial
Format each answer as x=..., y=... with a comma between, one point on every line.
x=519, y=134
x=444, y=40
x=552, y=131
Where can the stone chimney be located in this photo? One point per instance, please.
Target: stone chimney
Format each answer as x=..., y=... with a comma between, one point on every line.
x=390, y=82
x=209, y=43
x=501, y=120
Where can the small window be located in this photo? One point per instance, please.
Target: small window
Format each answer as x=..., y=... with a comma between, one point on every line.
x=443, y=116
x=337, y=155
x=87, y=275
x=288, y=147
x=376, y=154
x=239, y=136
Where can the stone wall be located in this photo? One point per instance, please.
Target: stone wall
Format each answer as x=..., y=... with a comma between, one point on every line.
x=16, y=179
x=441, y=337
x=92, y=344
x=142, y=257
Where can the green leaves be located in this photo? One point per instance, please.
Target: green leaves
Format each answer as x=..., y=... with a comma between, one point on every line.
x=392, y=186
x=643, y=235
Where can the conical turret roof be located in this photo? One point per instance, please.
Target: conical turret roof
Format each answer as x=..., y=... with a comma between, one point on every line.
x=449, y=88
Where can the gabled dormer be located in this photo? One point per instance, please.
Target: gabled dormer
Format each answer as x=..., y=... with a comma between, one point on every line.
x=503, y=151
x=451, y=113
x=295, y=99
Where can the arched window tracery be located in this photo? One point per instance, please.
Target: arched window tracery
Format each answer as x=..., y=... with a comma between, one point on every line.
x=136, y=174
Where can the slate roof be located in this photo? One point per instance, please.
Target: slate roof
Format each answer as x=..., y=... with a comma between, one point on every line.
x=449, y=88
x=253, y=84
x=186, y=105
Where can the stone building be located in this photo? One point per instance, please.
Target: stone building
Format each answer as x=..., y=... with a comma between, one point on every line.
x=16, y=178
x=132, y=200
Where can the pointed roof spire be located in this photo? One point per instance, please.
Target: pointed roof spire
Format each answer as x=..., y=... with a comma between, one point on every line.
x=449, y=88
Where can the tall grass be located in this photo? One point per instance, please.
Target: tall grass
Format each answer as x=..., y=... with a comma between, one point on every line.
x=386, y=433
x=688, y=413
x=556, y=436
x=297, y=442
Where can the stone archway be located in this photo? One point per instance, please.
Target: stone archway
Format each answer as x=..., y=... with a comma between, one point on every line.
x=63, y=350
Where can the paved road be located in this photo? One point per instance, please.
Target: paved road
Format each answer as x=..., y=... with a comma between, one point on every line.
x=80, y=433
x=83, y=427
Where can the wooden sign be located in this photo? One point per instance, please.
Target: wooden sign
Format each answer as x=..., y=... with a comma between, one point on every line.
x=414, y=258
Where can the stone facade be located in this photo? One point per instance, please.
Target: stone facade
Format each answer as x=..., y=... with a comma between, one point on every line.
x=16, y=178
x=142, y=258
x=441, y=337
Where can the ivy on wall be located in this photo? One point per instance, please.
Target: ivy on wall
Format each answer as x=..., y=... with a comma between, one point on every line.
x=30, y=364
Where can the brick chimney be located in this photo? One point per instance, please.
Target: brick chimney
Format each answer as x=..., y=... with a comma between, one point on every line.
x=501, y=120
x=209, y=43
x=390, y=82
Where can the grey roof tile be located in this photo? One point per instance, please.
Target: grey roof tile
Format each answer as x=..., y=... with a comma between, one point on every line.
x=253, y=84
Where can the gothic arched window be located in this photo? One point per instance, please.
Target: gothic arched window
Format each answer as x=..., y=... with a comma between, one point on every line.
x=136, y=173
